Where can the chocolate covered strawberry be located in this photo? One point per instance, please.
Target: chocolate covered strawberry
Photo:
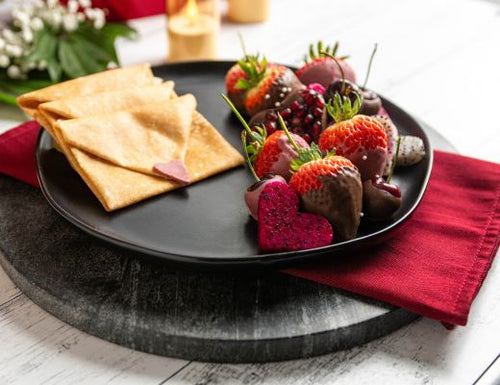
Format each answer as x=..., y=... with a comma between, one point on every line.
x=269, y=154
x=330, y=187
x=236, y=94
x=302, y=112
x=322, y=69
x=360, y=138
x=392, y=135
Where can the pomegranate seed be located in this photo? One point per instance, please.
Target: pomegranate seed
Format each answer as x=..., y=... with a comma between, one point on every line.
x=307, y=138
x=270, y=127
x=295, y=105
x=301, y=113
x=308, y=119
x=296, y=121
x=320, y=102
x=316, y=128
x=309, y=99
x=272, y=116
x=317, y=112
x=286, y=113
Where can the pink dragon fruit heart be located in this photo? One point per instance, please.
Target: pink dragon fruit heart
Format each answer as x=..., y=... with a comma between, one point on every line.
x=281, y=227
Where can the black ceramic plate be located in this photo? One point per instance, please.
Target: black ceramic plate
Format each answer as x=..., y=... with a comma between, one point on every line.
x=207, y=223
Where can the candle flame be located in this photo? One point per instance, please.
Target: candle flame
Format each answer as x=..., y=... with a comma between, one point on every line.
x=192, y=11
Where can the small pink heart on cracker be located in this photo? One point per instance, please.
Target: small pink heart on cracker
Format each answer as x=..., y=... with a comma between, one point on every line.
x=281, y=227
x=175, y=170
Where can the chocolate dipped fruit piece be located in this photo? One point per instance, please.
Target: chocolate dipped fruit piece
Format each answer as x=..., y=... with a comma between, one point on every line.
x=302, y=112
x=381, y=199
x=411, y=151
x=371, y=102
x=252, y=193
x=392, y=135
x=331, y=187
x=269, y=153
x=360, y=138
x=322, y=69
x=281, y=227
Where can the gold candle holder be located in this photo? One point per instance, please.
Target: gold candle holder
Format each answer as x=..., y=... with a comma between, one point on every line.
x=248, y=11
x=193, y=29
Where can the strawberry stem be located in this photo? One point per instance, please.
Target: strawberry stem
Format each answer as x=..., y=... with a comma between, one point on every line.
x=255, y=136
x=394, y=160
x=242, y=43
x=370, y=65
x=247, y=157
x=290, y=139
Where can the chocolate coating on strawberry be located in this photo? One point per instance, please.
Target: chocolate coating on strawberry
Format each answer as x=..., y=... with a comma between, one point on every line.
x=380, y=199
x=339, y=200
x=253, y=192
x=392, y=135
x=344, y=88
x=277, y=83
x=319, y=68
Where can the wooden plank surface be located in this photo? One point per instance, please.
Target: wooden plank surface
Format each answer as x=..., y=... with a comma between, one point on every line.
x=439, y=60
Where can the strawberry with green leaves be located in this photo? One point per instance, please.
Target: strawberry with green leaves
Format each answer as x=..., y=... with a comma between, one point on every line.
x=256, y=85
x=360, y=138
x=321, y=68
x=269, y=154
x=329, y=186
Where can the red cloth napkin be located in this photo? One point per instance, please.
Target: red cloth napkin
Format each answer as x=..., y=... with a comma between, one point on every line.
x=17, y=152
x=434, y=264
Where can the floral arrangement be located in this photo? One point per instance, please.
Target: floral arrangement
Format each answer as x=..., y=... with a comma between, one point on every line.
x=47, y=42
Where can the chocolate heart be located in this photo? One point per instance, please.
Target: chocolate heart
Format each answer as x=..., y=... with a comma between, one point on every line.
x=281, y=227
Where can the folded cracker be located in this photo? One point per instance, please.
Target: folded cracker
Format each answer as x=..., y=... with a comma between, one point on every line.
x=115, y=79
x=136, y=138
x=116, y=187
x=100, y=103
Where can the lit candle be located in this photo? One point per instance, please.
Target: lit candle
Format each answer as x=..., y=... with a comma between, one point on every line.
x=193, y=34
x=248, y=11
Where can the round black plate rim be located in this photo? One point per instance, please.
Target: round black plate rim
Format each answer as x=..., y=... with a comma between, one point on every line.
x=258, y=259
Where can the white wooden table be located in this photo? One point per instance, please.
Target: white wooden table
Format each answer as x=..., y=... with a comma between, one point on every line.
x=438, y=59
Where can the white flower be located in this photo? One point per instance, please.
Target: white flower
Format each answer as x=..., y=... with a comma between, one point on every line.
x=90, y=12
x=9, y=35
x=14, y=50
x=70, y=22
x=36, y=23
x=20, y=18
x=80, y=17
x=72, y=6
x=4, y=61
x=27, y=66
x=27, y=35
x=2, y=44
x=14, y=72
x=55, y=19
x=42, y=64
x=52, y=3
x=85, y=3
x=99, y=18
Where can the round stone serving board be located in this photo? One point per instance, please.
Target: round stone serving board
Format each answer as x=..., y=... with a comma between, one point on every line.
x=119, y=296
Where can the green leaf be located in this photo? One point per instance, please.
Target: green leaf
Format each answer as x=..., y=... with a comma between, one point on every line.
x=91, y=49
x=44, y=46
x=70, y=61
x=114, y=30
x=54, y=69
x=8, y=98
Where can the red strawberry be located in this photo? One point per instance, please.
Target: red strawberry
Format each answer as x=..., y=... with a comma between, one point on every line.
x=330, y=187
x=360, y=138
x=266, y=85
x=281, y=227
x=277, y=153
x=235, y=94
x=319, y=68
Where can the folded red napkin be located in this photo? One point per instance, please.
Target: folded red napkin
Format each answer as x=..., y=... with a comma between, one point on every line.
x=433, y=265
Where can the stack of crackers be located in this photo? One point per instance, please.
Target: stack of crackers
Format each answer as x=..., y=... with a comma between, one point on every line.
x=119, y=128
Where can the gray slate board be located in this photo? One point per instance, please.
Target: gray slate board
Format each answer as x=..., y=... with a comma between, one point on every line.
x=205, y=316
